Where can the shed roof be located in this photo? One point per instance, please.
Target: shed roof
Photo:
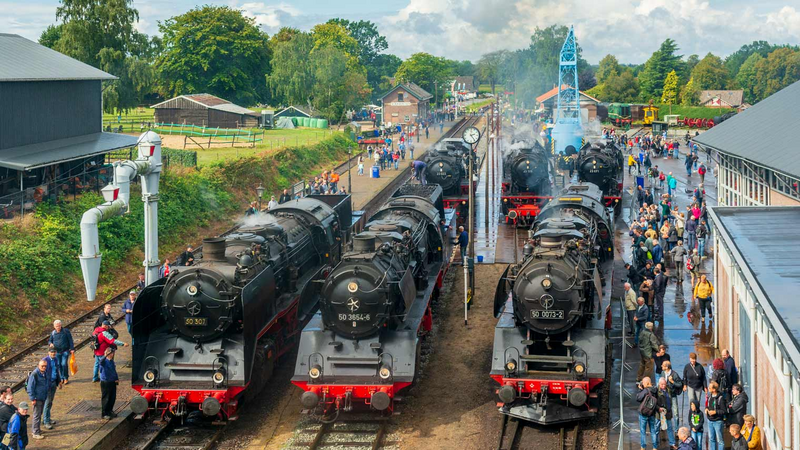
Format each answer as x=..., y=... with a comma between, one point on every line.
x=32, y=156
x=413, y=89
x=733, y=98
x=25, y=60
x=211, y=102
x=770, y=261
x=765, y=134
x=554, y=92
x=468, y=82
x=304, y=110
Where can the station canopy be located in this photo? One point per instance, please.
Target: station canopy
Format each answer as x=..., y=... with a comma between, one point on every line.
x=33, y=156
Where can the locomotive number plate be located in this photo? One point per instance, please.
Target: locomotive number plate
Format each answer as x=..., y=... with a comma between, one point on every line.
x=197, y=321
x=554, y=314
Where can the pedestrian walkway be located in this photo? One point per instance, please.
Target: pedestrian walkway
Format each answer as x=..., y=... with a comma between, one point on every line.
x=76, y=407
x=682, y=331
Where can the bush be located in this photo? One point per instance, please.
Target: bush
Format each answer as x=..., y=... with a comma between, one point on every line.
x=700, y=112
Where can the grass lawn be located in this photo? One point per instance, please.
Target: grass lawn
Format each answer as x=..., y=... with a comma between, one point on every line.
x=273, y=139
x=487, y=88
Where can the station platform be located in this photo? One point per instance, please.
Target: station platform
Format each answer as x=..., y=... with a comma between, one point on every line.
x=682, y=331
x=76, y=409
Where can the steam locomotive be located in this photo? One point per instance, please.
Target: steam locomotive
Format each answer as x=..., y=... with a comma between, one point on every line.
x=364, y=344
x=448, y=166
x=603, y=165
x=527, y=184
x=207, y=336
x=550, y=339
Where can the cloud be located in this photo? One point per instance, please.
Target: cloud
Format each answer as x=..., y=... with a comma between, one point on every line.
x=270, y=17
x=26, y=20
x=422, y=23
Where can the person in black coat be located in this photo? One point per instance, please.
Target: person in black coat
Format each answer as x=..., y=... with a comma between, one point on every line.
x=634, y=277
x=694, y=378
x=738, y=405
x=285, y=197
x=187, y=257
x=659, y=289
x=105, y=316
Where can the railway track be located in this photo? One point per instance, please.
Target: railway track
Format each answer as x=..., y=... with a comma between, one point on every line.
x=14, y=368
x=183, y=437
x=512, y=431
x=350, y=433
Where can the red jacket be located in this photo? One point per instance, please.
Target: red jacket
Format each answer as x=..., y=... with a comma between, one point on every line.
x=104, y=341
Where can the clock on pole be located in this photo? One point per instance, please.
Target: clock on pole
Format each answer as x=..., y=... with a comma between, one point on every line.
x=471, y=135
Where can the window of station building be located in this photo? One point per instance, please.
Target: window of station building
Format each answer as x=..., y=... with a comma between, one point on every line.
x=400, y=96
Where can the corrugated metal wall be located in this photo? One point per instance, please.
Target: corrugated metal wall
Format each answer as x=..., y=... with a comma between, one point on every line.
x=40, y=111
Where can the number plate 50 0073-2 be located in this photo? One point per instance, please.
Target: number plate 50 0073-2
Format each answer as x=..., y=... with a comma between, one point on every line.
x=539, y=314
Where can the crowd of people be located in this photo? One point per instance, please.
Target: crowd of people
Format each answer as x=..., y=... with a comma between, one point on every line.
x=665, y=239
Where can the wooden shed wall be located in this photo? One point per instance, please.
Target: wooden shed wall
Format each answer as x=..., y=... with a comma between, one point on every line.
x=41, y=111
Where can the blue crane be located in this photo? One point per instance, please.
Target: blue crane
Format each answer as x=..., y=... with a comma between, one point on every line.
x=568, y=131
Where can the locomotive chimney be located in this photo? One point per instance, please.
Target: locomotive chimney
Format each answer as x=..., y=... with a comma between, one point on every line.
x=364, y=244
x=214, y=249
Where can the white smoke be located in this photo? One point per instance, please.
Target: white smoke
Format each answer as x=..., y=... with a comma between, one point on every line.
x=258, y=219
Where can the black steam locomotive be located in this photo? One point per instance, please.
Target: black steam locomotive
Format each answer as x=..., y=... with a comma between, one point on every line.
x=550, y=341
x=448, y=166
x=526, y=182
x=363, y=346
x=603, y=165
x=207, y=336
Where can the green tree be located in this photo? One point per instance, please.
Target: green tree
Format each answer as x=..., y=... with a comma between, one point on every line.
x=370, y=42
x=691, y=61
x=710, y=73
x=292, y=77
x=661, y=63
x=428, y=71
x=380, y=71
x=489, y=67
x=746, y=77
x=621, y=88
x=670, y=91
x=689, y=93
x=609, y=66
x=779, y=69
x=50, y=36
x=735, y=60
x=214, y=49
x=336, y=36
x=101, y=33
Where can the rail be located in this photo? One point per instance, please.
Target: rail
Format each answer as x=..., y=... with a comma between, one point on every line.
x=349, y=433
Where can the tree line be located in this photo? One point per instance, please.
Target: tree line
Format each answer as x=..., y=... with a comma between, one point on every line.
x=342, y=64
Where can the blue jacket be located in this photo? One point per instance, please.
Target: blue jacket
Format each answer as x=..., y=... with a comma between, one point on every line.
x=463, y=239
x=53, y=370
x=658, y=253
x=108, y=370
x=126, y=306
x=18, y=428
x=38, y=385
x=62, y=341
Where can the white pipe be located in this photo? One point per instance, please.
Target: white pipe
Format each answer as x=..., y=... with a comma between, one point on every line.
x=148, y=166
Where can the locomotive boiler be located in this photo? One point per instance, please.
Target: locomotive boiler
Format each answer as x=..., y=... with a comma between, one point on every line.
x=362, y=347
x=549, y=348
x=207, y=336
x=602, y=164
x=528, y=170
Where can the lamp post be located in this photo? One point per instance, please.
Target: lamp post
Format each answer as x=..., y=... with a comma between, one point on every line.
x=349, y=171
x=260, y=191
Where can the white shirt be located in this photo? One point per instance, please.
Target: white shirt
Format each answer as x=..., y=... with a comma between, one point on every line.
x=272, y=204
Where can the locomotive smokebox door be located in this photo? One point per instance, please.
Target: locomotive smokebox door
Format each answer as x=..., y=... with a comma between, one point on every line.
x=501, y=292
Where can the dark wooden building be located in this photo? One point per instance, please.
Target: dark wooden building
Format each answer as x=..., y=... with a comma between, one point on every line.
x=51, y=115
x=204, y=110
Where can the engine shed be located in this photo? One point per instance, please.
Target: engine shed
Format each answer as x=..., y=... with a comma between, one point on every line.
x=204, y=110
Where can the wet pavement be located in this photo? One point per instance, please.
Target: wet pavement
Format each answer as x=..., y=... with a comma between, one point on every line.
x=681, y=330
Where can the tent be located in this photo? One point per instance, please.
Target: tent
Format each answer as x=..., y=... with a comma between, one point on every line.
x=285, y=122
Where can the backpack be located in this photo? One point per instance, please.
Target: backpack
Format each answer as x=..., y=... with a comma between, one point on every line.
x=648, y=406
x=701, y=170
x=662, y=177
x=689, y=265
x=94, y=342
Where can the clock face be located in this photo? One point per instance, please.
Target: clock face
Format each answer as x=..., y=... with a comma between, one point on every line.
x=471, y=135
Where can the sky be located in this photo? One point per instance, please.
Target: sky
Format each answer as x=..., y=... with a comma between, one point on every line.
x=465, y=29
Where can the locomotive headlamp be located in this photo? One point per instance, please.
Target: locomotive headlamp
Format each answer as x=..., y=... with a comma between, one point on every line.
x=352, y=287
x=594, y=161
x=579, y=368
x=315, y=372
x=511, y=366
x=219, y=376
x=547, y=283
x=441, y=164
x=150, y=376
x=385, y=373
x=192, y=289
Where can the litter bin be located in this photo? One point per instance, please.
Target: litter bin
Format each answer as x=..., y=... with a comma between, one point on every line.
x=640, y=181
x=376, y=172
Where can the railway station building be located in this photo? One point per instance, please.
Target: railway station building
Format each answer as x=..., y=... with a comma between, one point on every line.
x=405, y=103
x=546, y=103
x=51, y=118
x=757, y=259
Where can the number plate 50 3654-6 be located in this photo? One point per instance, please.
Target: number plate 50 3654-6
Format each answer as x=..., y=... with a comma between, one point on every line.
x=554, y=314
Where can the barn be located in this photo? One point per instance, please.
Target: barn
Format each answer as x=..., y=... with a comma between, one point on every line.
x=204, y=110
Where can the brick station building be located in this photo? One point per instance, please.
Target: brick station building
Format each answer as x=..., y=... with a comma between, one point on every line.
x=757, y=258
x=405, y=103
